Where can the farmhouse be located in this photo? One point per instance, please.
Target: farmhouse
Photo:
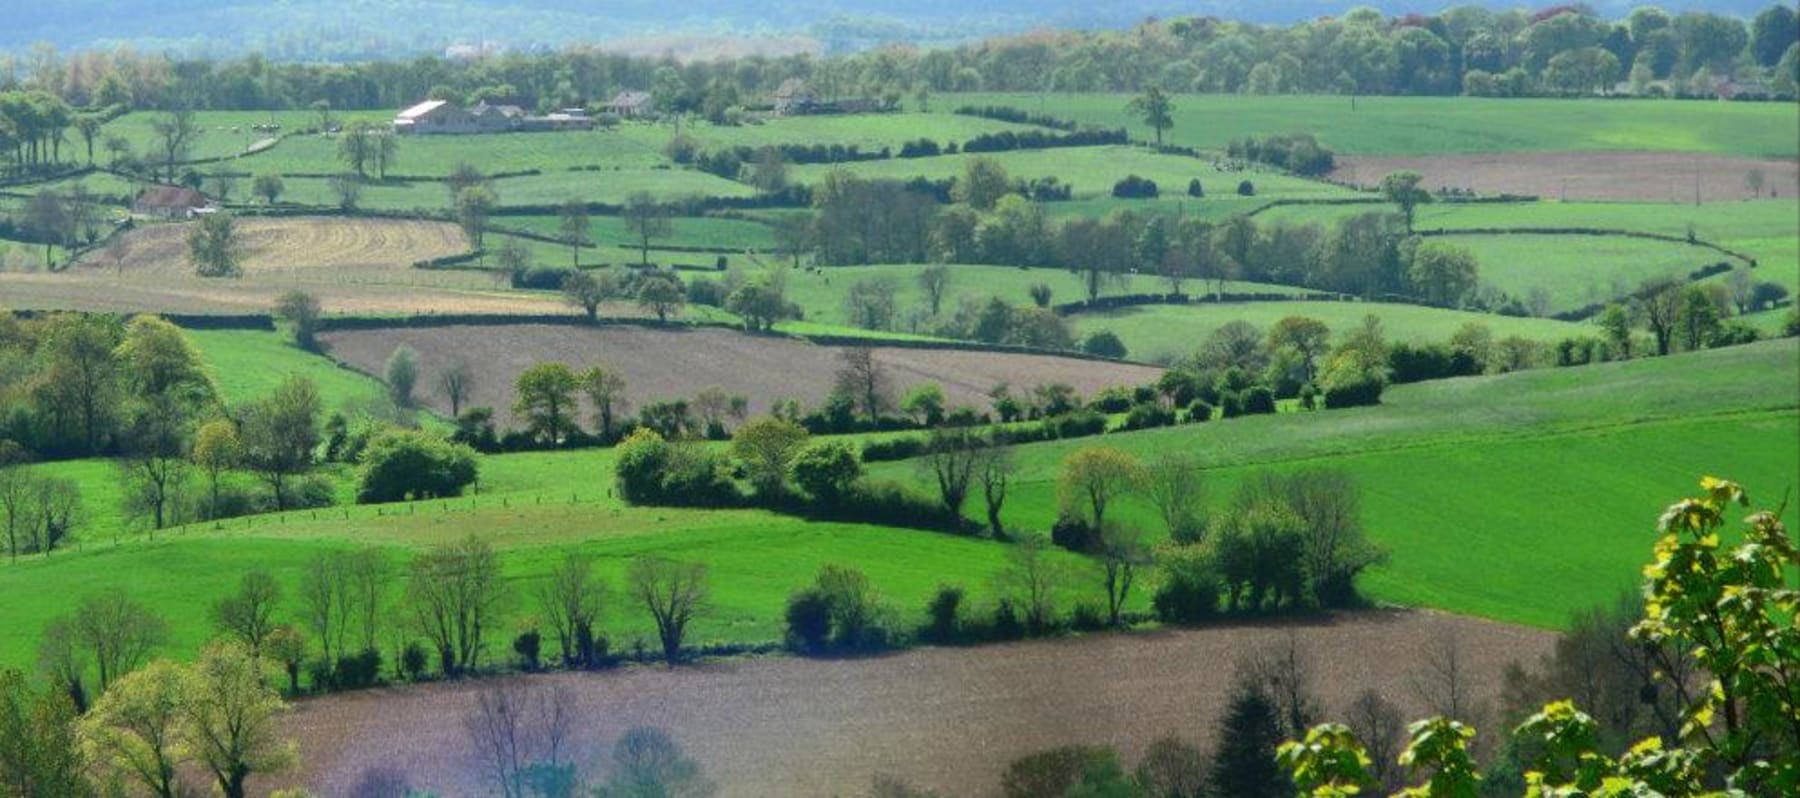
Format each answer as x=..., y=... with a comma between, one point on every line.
x=631, y=105
x=170, y=202
x=439, y=117
x=794, y=97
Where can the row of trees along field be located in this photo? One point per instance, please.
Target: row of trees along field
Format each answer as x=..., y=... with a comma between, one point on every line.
x=1558, y=50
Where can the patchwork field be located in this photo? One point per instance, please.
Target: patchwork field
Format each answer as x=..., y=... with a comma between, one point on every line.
x=1621, y=176
x=677, y=363
x=943, y=719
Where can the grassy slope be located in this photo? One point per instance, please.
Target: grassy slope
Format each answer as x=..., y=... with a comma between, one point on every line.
x=1522, y=497
x=1152, y=331
x=248, y=364
x=1425, y=125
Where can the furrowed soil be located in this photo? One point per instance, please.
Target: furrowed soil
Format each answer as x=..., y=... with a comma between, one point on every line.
x=947, y=719
x=677, y=363
x=1639, y=176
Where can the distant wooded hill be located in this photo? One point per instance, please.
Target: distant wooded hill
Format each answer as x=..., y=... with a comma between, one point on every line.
x=354, y=30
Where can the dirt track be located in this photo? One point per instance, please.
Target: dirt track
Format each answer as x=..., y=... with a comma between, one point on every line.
x=671, y=364
x=1637, y=176
x=947, y=719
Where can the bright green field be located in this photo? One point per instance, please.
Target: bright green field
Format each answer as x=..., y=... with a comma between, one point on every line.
x=1423, y=125
x=1578, y=270
x=216, y=139
x=1153, y=331
x=755, y=560
x=1522, y=497
x=247, y=364
x=823, y=292
x=1093, y=171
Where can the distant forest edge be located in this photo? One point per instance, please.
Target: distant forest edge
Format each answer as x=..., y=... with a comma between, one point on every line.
x=1567, y=50
x=352, y=30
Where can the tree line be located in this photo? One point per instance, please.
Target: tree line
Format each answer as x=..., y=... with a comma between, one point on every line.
x=1465, y=49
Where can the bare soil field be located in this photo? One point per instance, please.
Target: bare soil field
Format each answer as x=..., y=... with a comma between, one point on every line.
x=293, y=245
x=677, y=363
x=946, y=719
x=1624, y=176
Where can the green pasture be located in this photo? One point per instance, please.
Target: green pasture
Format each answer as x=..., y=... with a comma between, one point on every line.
x=1092, y=171
x=247, y=365
x=754, y=560
x=1432, y=125
x=1578, y=270
x=222, y=133
x=701, y=231
x=824, y=292
x=1522, y=497
x=1156, y=331
x=869, y=132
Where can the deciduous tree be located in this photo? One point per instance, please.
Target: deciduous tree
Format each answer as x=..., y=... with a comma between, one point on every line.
x=674, y=594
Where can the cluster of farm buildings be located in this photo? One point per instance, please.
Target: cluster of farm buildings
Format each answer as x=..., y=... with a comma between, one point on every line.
x=441, y=117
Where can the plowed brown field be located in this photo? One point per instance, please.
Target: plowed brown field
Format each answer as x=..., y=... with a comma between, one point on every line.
x=678, y=363
x=1633, y=176
x=947, y=719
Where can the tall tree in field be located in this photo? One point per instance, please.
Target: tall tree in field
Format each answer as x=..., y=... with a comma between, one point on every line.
x=570, y=600
x=118, y=631
x=269, y=187
x=1093, y=478
x=354, y=145
x=585, y=291
x=280, y=433
x=572, y=228
x=674, y=594
x=1155, y=109
x=229, y=715
x=862, y=377
x=647, y=219
x=213, y=246
x=300, y=311
x=1402, y=189
x=1658, y=303
x=473, y=207
x=79, y=391
x=134, y=730
x=249, y=614
x=660, y=295
x=984, y=181
x=767, y=447
x=546, y=401
x=176, y=132
x=605, y=389
x=1307, y=338
x=453, y=593
x=935, y=280
x=455, y=382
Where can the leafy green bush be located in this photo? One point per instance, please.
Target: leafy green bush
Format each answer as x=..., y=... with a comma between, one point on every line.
x=1190, y=589
x=642, y=456
x=1259, y=401
x=407, y=464
x=827, y=470
x=1149, y=415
